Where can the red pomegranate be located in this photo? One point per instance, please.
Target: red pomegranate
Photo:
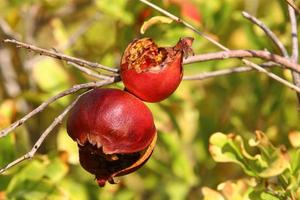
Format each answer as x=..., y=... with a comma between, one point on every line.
x=153, y=73
x=114, y=130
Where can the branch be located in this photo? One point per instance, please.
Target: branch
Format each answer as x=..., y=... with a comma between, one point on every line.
x=175, y=18
x=273, y=76
x=88, y=71
x=247, y=62
x=61, y=56
x=292, y=5
x=38, y=143
x=295, y=51
x=41, y=107
x=222, y=72
x=265, y=55
x=268, y=32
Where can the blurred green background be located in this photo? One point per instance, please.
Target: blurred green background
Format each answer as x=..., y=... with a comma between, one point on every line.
x=99, y=31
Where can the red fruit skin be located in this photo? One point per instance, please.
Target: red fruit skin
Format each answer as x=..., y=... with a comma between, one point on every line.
x=153, y=73
x=154, y=86
x=112, y=120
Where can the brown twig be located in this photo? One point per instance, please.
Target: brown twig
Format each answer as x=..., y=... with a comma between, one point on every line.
x=223, y=72
x=40, y=108
x=295, y=46
x=292, y=4
x=247, y=62
x=265, y=55
x=38, y=143
x=268, y=32
x=89, y=71
x=177, y=19
x=273, y=76
x=61, y=56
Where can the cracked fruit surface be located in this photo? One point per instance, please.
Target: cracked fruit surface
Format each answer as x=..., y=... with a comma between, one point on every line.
x=153, y=73
x=114, y=130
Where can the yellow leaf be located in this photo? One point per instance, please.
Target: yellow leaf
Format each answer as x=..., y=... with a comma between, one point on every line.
x=210, y=194
x=154, y=20
x=294, y=138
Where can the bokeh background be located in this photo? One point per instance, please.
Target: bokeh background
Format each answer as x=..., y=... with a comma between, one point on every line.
x=99, y=31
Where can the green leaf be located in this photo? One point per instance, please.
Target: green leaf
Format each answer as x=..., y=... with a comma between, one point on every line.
x=269, y=162
x=262, y=195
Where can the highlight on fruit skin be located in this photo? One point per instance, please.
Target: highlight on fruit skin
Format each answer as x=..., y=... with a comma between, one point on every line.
x=153, y=73
x=115, y=133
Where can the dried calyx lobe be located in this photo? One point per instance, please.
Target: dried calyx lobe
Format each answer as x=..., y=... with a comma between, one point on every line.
x=153, y=73
x=115, y=133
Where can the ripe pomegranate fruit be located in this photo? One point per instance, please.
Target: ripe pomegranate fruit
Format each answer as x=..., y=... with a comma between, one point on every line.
x=153, y=73
x=114, y=130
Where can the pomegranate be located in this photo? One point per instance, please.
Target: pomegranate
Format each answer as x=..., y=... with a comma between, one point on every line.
x=153, y=73
x=114, y=130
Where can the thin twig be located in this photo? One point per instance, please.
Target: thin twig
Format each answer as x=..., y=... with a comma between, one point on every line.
x=41, y=107
x=206, y=75
x=177, y=19
x=295, y=46
x=268, y=32
x=292, y=4
x=247, y=62
x=222, y=72
x=89, y=71
x=38, y=143
x=265, y=55
x=60, y=56
x=275, y=77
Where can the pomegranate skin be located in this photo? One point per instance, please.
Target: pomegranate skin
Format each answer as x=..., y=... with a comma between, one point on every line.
x=153, y=73
x=112, y=120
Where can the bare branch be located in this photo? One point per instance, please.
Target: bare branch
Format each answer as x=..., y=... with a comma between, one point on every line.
x=38, y=143
x=275, y=77
x=61, y=56
x=41, y=107
x=295, y=46
x=177, y=19
x=293, y=6
x=222, y=72
x=206, y=75
x=89, y=71
x=265, y=55
x=247, y=62
x=268, y=32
